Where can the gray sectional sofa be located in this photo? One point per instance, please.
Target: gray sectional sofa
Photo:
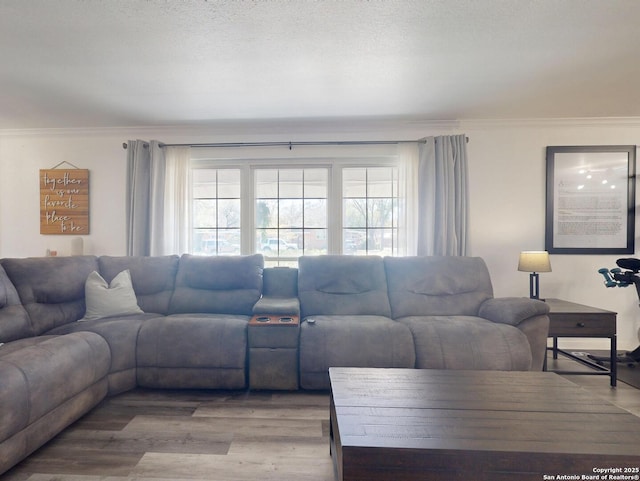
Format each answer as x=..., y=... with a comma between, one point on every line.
x=190, y=328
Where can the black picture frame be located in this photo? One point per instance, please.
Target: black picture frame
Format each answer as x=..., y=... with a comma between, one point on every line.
x=590, y=199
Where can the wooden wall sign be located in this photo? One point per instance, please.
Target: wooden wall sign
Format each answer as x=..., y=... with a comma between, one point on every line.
x=64, y=201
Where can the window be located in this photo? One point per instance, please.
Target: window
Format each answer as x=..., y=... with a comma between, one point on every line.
x=291, y=212
x=216, y=211
x=310, y=204
x=370, y=210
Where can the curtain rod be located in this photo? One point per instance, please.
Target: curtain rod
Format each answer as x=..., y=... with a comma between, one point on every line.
x=292, y=144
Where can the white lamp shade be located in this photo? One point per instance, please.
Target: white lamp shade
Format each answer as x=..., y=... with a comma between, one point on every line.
x=534, y=261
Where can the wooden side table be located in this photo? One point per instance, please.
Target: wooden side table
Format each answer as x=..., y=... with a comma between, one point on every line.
x=568, y=319
x=273, y=352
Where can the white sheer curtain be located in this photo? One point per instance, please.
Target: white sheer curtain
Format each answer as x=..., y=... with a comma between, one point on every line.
x=436, y=195
x=157, y=199
x=177, y=201
x=408, y=211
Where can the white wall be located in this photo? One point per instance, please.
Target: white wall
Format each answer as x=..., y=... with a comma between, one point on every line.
x=508, y=189
x=507, y=184
x=21, y=158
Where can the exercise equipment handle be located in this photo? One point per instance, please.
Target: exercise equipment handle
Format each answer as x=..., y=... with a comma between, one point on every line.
x=608, y=280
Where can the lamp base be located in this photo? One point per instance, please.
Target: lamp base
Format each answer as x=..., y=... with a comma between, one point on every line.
x=534, y=286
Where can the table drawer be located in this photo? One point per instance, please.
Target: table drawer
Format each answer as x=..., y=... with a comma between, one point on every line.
x=577, y=326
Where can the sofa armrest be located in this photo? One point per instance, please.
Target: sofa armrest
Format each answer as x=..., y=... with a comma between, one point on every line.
x=512, y=310
x=277, y=305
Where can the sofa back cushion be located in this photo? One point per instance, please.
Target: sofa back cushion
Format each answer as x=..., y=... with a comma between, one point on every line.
x=153, y=278
x=280, y=282
x=342, y=285
x=217, y=284
x=51, y=289
x=436, y=286
x=14, y=321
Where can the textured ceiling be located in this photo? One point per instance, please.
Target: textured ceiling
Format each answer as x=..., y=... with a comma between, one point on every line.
x=124, y=63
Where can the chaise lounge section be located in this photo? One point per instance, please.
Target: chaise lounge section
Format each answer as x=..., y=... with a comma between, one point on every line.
x=188, y=327
x=46, y=381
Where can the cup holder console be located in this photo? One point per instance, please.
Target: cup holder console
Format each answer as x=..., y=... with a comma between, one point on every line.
x=274, y=319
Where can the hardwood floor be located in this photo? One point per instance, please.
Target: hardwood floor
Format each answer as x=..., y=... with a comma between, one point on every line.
x=191, y=435
x=147, y=435
x=624, y=395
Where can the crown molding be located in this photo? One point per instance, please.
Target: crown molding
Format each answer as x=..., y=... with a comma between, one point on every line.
x=287, y=127
x=345, y=127
x=61, y=132
x=599, y=122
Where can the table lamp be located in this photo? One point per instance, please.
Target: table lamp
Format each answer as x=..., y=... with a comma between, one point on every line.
x=534, y=262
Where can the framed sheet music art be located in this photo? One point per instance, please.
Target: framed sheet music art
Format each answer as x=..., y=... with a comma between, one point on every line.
x=590, y=199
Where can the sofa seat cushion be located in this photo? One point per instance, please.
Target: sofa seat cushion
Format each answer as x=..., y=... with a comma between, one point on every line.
x=120, y=332
x=14, y=394
x=467, y=342
x=351, y=341
x=43, y=373
x=206, y=351
x=22, y=343
x=47, y=383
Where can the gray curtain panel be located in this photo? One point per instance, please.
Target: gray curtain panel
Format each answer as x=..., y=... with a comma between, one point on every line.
x=145, y=197
x=443, y=196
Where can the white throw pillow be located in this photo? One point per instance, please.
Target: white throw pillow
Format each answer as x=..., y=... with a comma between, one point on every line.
x=105, y=300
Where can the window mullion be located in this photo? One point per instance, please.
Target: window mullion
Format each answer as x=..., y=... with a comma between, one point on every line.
x=303, y=227
x=367, y=221
x=247, y=220
x=334, y=220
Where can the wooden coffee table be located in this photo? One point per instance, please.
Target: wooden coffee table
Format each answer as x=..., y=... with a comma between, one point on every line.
x=410, y=424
